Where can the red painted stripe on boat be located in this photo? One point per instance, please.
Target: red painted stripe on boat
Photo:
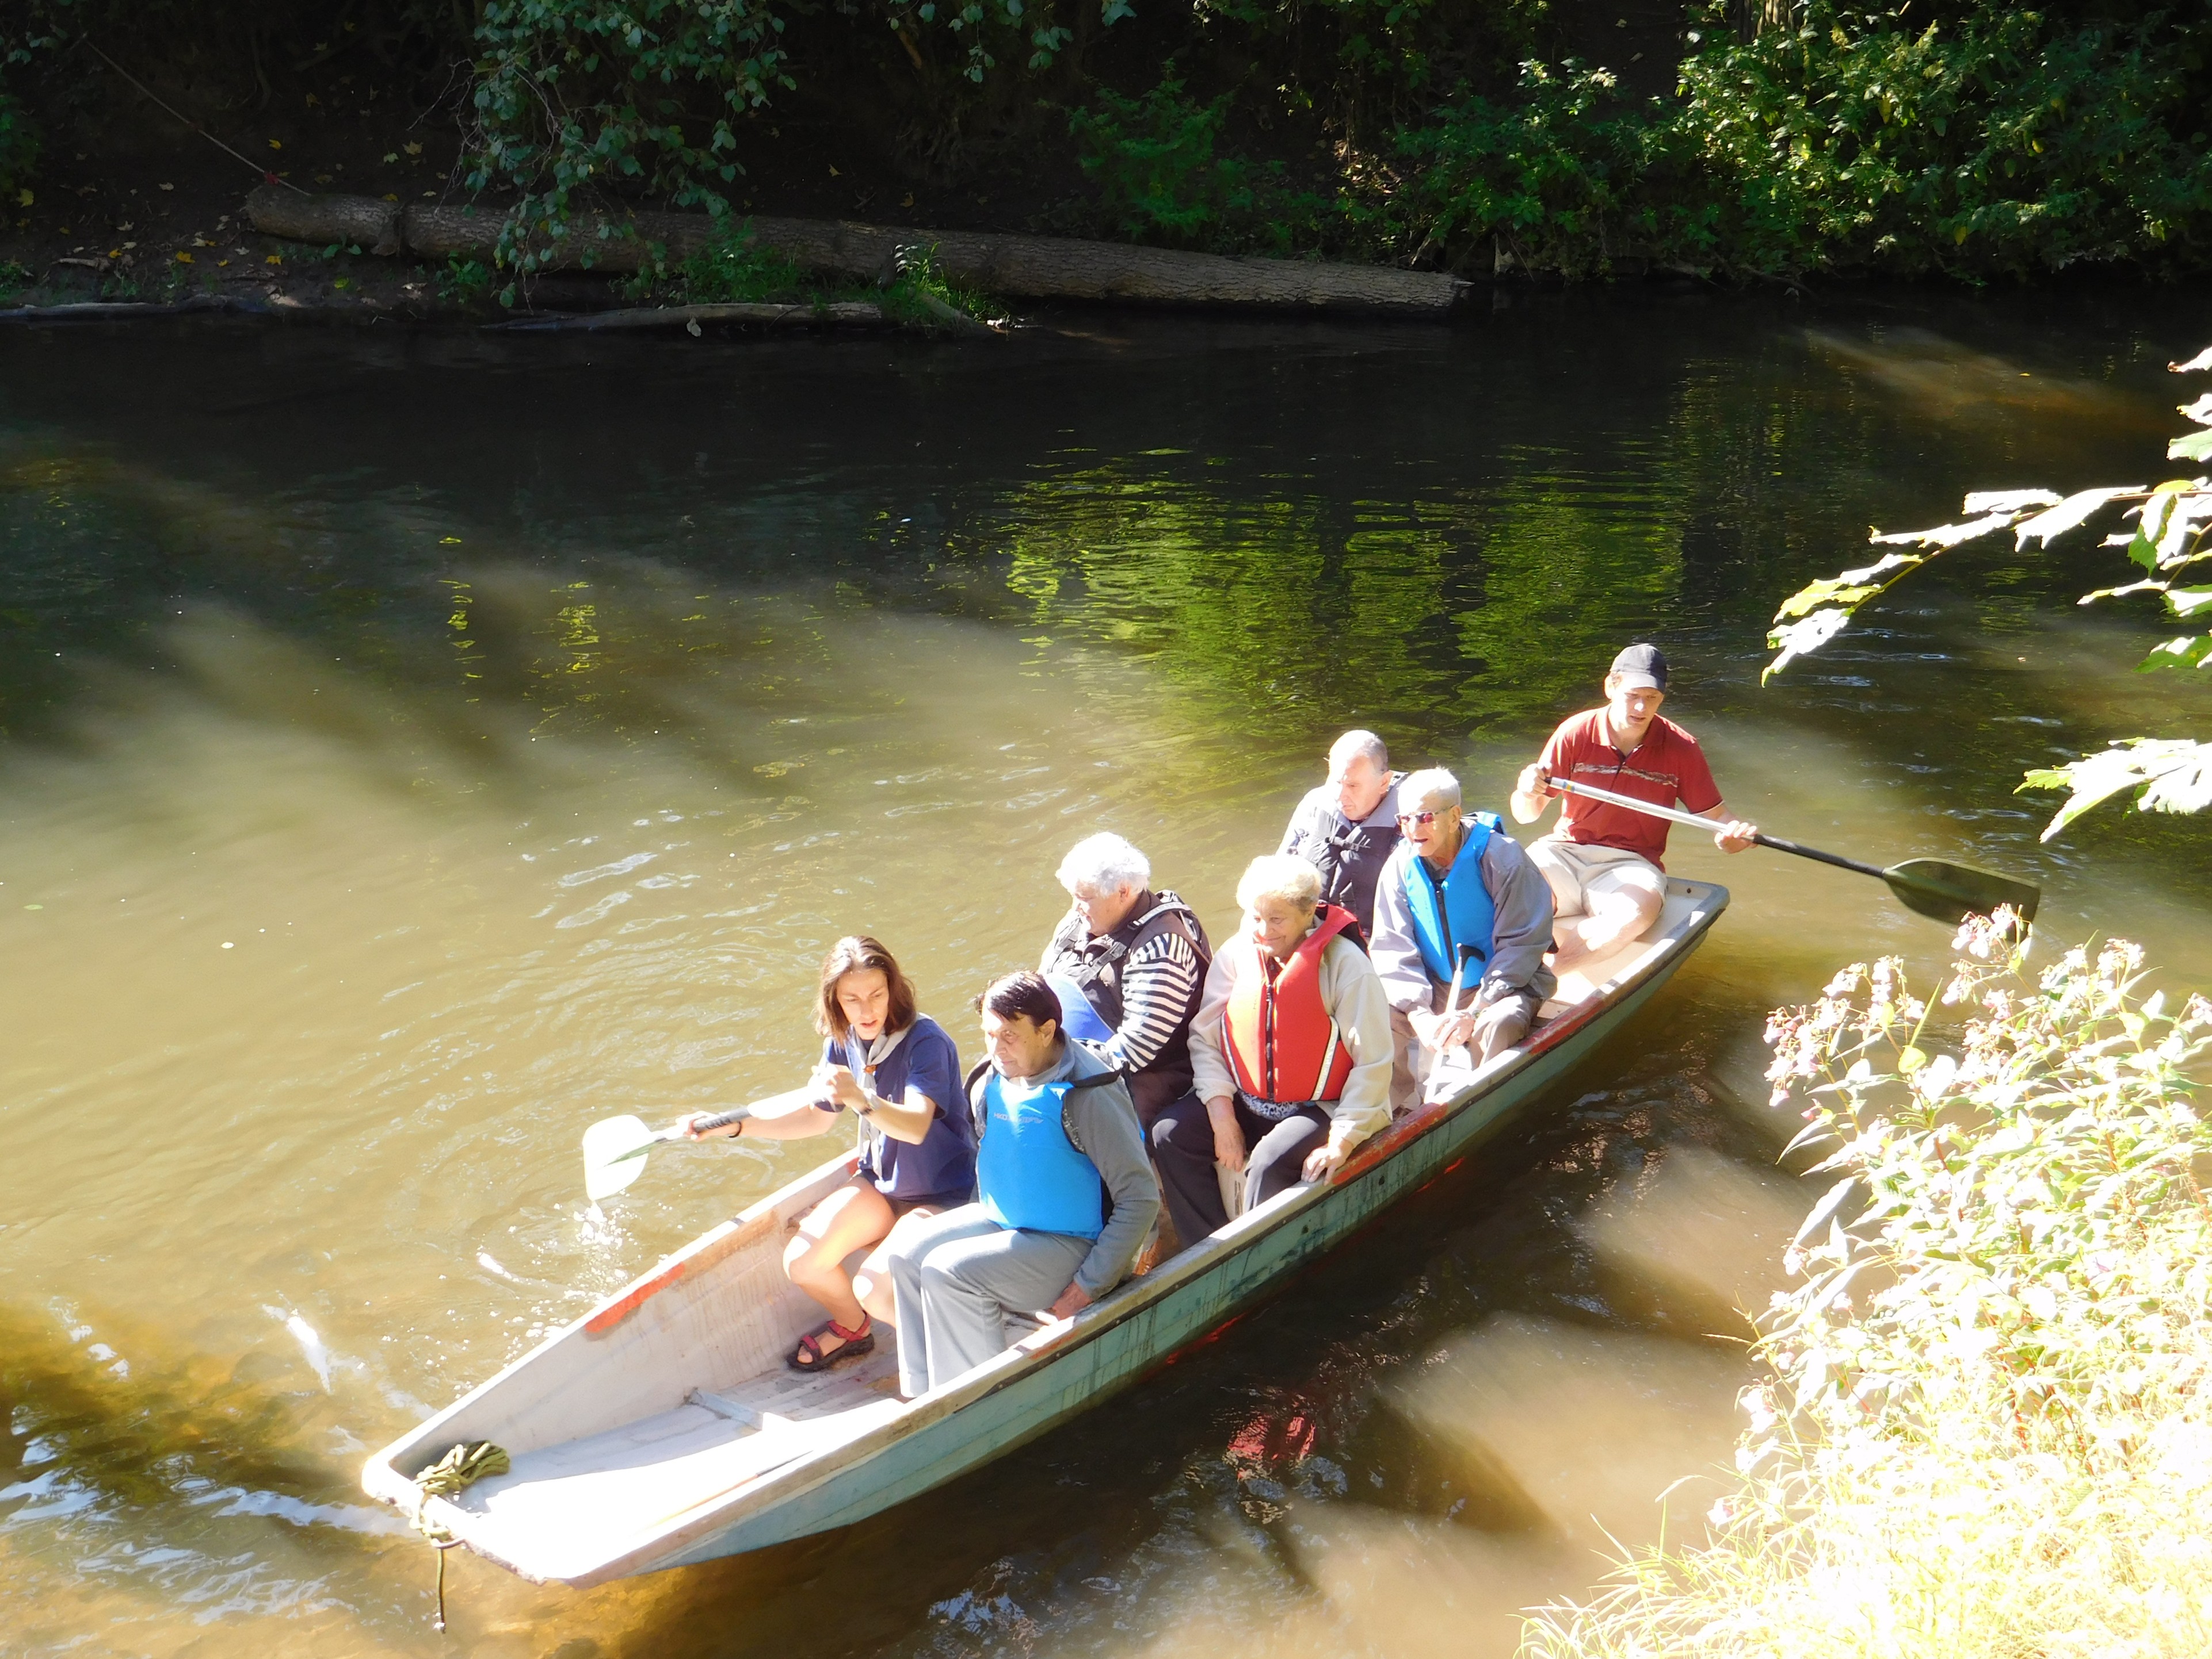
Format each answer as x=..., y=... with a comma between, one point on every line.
x=635, y=1297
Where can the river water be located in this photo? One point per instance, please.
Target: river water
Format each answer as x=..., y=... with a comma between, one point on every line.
x=413, y=748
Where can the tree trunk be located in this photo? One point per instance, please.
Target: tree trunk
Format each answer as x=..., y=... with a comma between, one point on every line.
x=1023, y=267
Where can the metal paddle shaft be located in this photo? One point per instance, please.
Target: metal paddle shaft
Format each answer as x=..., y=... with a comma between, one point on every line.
x=615, y=1150
x=615, y=1147
x=705, y=1126
x=1948, y=893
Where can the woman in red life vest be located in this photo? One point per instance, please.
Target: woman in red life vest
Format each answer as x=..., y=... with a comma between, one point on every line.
x=1290, y=1052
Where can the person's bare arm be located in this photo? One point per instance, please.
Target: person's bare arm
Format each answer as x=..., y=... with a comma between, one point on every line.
x=791, y=1116
x=788, y=1126
x=908, y=1120
x=1532, y=794
x=1736, y=835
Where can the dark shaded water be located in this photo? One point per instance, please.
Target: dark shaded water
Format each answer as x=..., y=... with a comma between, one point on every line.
x=415, y=748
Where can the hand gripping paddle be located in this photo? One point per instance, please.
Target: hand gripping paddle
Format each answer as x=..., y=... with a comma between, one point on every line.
x=1948, y=893
x=615, y=1148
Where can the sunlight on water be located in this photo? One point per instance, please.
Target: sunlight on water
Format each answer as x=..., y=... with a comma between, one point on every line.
x=386, y=797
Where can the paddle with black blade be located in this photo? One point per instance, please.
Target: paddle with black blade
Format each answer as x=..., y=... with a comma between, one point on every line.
x=1948, y=893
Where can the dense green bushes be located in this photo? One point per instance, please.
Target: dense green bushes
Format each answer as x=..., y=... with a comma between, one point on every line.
x=19, y=145
x=1977, y=139
x=1163, y=175
x=2008, y=143
x=596, y=97
x=1995, y=141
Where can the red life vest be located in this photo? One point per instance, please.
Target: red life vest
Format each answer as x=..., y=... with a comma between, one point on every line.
x=1281, y=1044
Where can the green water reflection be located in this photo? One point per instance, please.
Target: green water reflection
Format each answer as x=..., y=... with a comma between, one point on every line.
x=412, y=748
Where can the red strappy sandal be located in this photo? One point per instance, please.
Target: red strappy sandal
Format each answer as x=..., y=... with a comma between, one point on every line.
x=808, y=1356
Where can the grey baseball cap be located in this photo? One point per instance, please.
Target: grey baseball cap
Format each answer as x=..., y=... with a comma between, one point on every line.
x=1641, y=667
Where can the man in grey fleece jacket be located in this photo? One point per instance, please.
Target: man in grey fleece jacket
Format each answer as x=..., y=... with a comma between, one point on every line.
x=1065, y=1196
x=1499, y=998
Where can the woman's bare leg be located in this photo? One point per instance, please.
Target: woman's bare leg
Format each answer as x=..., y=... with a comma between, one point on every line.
x=872, y=1283
x=853, y=1218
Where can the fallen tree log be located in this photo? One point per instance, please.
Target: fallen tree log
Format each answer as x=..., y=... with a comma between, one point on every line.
x=1022, y=267
x=846, y=313
x=126, y=311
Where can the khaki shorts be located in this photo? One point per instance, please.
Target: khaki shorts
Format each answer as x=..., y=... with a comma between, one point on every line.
x=1580, y=875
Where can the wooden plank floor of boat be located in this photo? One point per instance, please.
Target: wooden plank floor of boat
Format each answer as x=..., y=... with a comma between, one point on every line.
x=576, y=1500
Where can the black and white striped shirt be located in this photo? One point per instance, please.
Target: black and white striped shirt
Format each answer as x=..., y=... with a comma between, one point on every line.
x=1159, y=986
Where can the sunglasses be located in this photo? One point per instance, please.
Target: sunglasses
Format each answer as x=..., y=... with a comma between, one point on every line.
x=1424, y=818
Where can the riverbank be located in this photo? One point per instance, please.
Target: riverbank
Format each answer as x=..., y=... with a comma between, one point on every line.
x=1985, y=1429
x=1474, y=137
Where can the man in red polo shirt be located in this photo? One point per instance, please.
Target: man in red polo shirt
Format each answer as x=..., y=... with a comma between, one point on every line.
x=1603, y=861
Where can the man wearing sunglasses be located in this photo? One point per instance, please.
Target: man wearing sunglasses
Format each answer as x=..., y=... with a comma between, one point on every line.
x=1462, y=920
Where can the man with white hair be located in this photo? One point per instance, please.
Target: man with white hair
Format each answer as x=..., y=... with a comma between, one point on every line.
x=1292, y=1048
x=1347, y=827
x=1139, y=959
x=1463, y=920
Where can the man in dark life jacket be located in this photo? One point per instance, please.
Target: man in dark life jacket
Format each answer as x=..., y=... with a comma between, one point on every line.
x=1065, y=1196
x=1348, y=828
x=1605, y=863
x=1291, y=1049
x=1462, y=920
x=1140, y=959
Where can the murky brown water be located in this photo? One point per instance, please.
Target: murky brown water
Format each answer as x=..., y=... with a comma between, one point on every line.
x=416, y=748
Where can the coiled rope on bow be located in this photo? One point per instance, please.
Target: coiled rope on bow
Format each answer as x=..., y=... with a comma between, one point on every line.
x=461, y=1467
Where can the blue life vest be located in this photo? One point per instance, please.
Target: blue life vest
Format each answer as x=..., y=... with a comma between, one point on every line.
x=1029, y=1174
x=1465, y=915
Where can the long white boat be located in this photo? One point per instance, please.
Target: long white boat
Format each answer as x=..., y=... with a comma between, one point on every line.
x=664, y=1429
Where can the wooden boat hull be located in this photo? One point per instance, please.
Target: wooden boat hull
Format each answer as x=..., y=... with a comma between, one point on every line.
x=895, y=1452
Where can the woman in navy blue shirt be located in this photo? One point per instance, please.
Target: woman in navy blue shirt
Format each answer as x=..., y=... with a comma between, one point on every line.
x=900, y=1071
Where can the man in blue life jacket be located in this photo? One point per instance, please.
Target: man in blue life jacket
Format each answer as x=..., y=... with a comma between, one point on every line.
x=1064, y=1194
x=1462, y=920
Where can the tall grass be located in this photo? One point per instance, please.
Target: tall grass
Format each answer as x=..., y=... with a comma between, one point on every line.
x=1986, y=1428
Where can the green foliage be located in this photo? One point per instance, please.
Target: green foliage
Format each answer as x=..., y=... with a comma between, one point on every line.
x=1989, y=141
x=1985, y=1427
x=2007, y=141
x=1558, y=176
x=581, y=94
x=13, y=279
x=644, y=97
x=2166, y=775
x=18, y=147
x=465, y=281
x=2172, y=534
x=2003, y=143
x=734, y=269
x=920, y=295
x=1163, y=175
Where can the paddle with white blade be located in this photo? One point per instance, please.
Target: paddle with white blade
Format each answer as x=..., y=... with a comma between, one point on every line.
x=615, y=1147
x=1948, y=893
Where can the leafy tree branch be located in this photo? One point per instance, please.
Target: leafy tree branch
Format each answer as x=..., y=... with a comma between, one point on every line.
x=2165, y=530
